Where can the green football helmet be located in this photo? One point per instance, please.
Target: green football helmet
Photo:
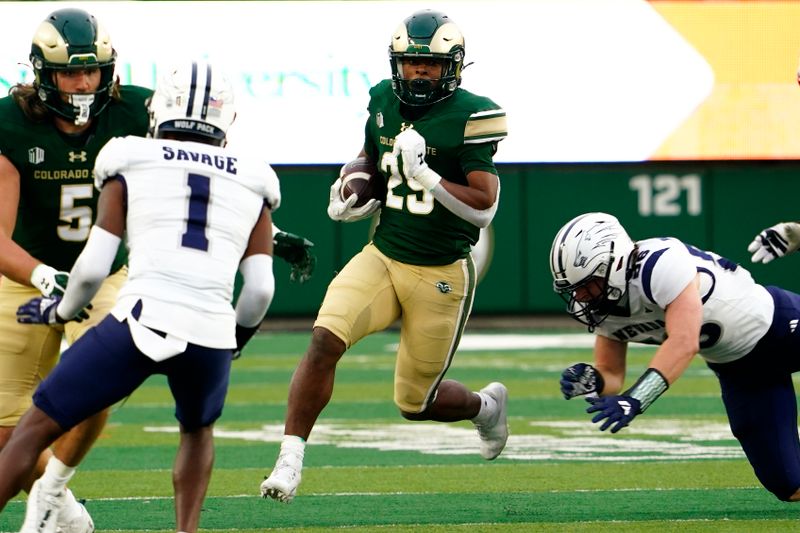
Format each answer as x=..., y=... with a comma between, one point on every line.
x=427, y=34
x=72, y=39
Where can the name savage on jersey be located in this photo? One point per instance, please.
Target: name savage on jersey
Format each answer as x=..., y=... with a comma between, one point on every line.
x=228, y=164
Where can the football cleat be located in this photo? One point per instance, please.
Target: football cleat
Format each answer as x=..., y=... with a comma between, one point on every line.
x=42, y=509
x=77, y=521
x=282, y=483
x=494, y=433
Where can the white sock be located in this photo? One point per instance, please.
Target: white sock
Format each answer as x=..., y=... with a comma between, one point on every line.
x=56, y=475
x=294, y=445
x=488, y=409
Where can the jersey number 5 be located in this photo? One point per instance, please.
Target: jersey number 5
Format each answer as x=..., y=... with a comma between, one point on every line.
x=77, y=219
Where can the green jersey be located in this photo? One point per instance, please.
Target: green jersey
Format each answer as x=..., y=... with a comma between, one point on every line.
x=461, y=133
x=58, y=201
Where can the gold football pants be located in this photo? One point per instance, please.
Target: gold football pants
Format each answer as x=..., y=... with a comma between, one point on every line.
x=29, y=352
x=431, y=302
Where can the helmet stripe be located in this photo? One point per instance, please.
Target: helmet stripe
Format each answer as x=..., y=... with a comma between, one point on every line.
x=207, y=94
x=192, y=89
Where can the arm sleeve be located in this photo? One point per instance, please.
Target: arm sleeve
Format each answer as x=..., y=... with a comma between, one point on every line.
x=481, y=218
x=89, y=271
x=257, y=290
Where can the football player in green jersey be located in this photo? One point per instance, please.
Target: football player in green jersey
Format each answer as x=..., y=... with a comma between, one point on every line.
x=433, y=143
x=50, y=134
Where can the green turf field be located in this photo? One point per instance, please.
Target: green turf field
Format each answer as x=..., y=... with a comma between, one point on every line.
x=676, y=469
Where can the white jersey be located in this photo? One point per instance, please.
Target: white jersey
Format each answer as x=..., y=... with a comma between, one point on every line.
x=191, y=208
x=737, y=311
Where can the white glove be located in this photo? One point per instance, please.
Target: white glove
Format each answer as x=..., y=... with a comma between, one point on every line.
x=49, y=281
x=343, y=210
x=410, y=148
x=775, y=241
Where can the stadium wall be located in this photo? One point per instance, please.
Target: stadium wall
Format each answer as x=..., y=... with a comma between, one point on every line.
x=717, y=205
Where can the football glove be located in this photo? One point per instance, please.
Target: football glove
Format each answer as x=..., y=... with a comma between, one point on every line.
x=296, y=251
x=775, y=241
x=49, y=281
x=343, y=210
x=409, y=148
x=616, y=411
x=580, y=379
x=43, y=310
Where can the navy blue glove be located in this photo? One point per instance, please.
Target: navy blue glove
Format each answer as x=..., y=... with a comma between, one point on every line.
x=42, y=310
x=580, y=379
x=618, y=411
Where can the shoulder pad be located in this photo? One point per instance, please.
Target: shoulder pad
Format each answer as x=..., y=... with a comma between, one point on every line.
x=110, y=160
x=271, y=189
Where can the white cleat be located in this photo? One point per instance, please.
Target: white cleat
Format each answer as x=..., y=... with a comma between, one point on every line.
x=494, y=433
x=80, y=522
x=42, y=509
x=282, y=483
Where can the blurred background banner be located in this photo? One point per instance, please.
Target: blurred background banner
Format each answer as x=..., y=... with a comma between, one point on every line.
x=682, y=118
x=753, y=111
x=581, y=80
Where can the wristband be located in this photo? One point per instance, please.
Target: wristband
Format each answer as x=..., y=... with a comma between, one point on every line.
x=244, y=334
x=648, y=388
x=428, y=178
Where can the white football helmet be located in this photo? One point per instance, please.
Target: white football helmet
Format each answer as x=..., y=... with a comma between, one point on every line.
x=591, y=246
x=193, y=99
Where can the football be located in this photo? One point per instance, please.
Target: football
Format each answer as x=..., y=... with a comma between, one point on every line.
x=360, y=176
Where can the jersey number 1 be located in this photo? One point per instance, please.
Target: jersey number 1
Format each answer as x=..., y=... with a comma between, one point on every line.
x=195, y=234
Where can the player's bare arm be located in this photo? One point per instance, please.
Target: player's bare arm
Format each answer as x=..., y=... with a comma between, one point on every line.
x=609, y=360
x=110, y=208
x=683, y=316
x=15, y=263
x=481, y=193
x=261, y=237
